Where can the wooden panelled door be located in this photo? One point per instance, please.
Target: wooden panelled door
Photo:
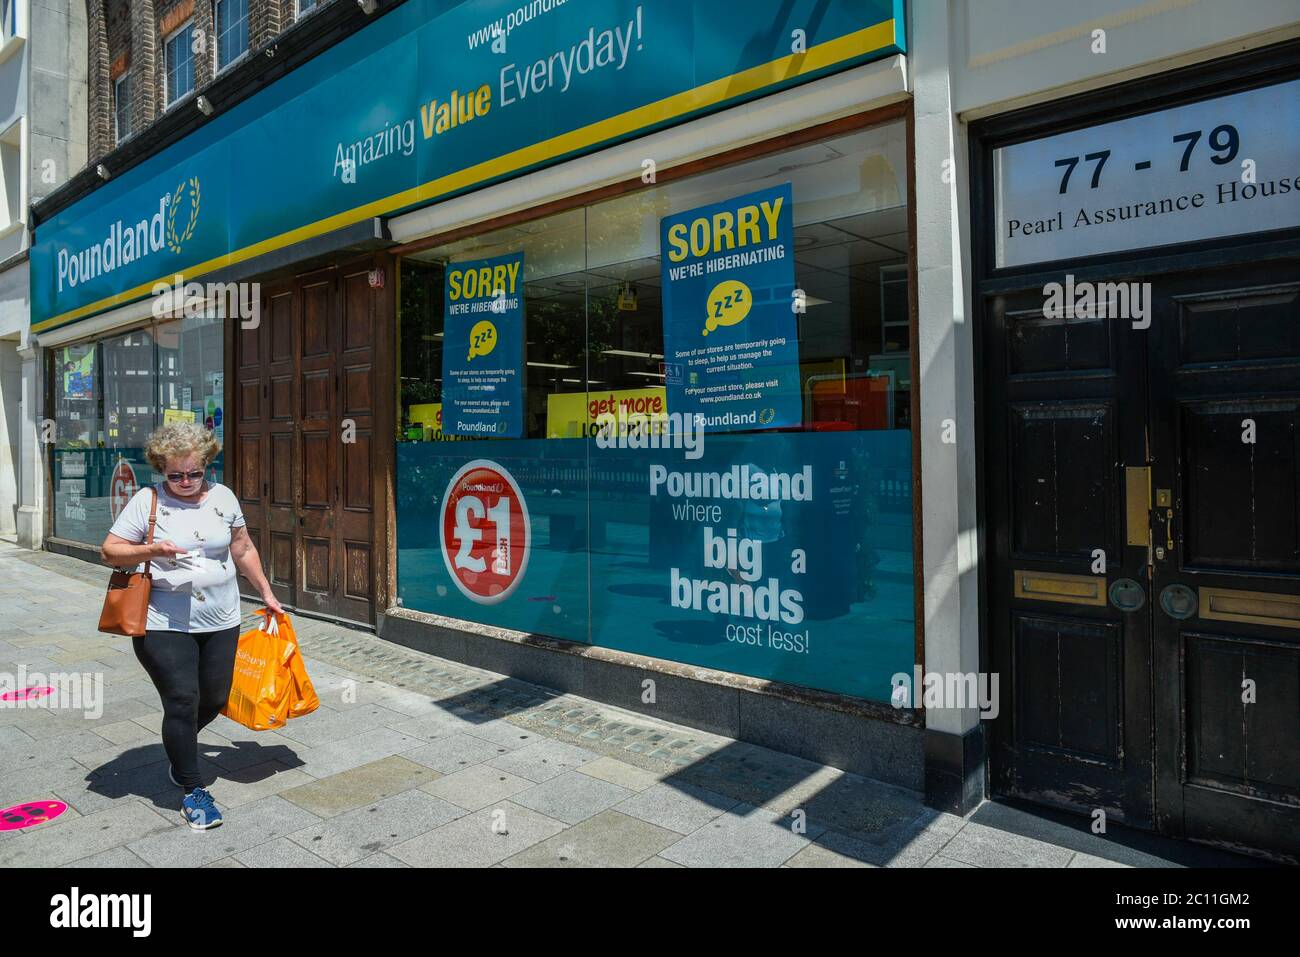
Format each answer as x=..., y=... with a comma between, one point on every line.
x=305, y=411
x=1165, y=691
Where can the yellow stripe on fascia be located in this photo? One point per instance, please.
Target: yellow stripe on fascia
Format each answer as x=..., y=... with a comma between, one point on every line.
x=134, y=293
x=710, y=94
x=700, y=97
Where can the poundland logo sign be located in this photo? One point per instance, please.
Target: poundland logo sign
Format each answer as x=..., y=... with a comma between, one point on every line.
x=170, y=227
x=272, y=168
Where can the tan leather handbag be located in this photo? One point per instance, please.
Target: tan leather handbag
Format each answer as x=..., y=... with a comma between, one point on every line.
x=126, y=606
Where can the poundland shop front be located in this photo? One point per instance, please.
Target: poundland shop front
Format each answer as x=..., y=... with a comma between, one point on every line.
x=638, y=392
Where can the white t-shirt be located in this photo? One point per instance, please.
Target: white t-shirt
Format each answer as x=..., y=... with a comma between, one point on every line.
x=205, y=595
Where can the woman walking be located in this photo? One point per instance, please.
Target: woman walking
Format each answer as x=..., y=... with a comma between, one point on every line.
x=193, y=630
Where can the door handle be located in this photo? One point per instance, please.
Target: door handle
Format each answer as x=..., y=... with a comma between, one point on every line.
x=1164, y=543
x=1178, y=601
x=1127, y=595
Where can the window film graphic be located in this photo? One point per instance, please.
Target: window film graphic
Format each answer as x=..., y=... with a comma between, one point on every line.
x=485, y=531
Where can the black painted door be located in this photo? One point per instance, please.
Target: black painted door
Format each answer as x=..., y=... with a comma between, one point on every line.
x=1174, y=450
x=1066, y=414
x=1225, y=477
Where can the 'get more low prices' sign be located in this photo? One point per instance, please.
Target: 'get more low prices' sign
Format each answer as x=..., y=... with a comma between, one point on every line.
x=1220, y=167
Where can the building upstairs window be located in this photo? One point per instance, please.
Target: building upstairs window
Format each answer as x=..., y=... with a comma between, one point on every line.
x=122, y=108
x=8, y=19
x=231, y=21
x=13, y=207
x=180, y=64
x=304, y=7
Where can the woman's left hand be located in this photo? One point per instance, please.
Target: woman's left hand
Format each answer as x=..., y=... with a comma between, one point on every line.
x=272, y=605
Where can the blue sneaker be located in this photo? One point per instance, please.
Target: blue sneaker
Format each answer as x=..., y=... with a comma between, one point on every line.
x=200, y=811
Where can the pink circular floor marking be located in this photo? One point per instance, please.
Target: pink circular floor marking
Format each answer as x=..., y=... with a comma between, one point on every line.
x=30, y=813
x=23, y=694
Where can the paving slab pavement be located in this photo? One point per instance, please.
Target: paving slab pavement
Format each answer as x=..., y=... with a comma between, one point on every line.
x=416, y=761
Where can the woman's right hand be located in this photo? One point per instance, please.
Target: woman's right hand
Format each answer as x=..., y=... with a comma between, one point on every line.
x=166, y=549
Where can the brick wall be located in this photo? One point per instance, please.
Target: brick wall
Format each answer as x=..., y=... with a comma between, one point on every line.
x=99, y=111
x=265, y=21
x=119, y=59
x=145, y=82
x=127, y=36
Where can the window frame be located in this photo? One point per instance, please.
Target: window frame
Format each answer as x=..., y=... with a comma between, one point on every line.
x=168, y=100
x=217, y=66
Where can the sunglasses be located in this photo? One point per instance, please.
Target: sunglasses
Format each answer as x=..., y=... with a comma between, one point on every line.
x=178, y=476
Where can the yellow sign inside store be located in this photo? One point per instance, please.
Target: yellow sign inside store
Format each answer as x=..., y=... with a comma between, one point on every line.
x=428, y=416
x=574, y=415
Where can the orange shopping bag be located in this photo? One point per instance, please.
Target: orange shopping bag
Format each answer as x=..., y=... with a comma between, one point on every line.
x=302, y=696
x=262, y=691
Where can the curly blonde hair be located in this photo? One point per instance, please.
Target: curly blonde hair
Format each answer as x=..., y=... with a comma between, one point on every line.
x=179, y=440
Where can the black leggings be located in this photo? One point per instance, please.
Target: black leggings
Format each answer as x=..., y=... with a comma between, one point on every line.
x=192, y=673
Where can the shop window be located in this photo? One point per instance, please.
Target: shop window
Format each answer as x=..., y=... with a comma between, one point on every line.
x=232, y=31
x=179, y=77
x=109, y=395
x=191, y=376
x=543, y=355
x=794, y=383
x=80, y=498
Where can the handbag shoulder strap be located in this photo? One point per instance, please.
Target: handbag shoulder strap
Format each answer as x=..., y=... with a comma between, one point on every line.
x=153, y=521
x=153, y=514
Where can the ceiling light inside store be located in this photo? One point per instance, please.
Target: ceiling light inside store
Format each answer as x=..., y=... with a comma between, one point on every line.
x=550, y=365
x=649, y=375
x=631, y=355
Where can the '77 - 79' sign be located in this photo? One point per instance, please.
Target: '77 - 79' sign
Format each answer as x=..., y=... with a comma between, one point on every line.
x=1220, y=167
